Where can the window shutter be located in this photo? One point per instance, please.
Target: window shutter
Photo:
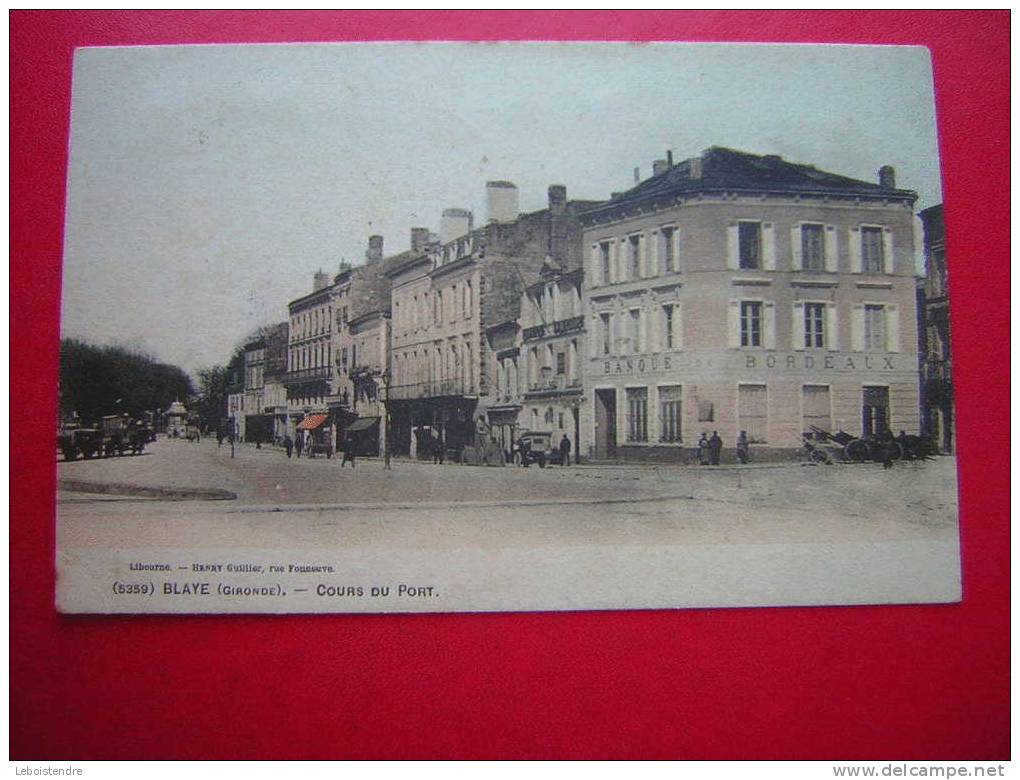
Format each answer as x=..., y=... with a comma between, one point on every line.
x=855, y=250
x=831, y=250
x=733, y=246
x=675, y=238
x=612, y=262
x=797, y=326
x=733, y=323
x=768, y=242
x=643, y=256
x=887, y=251
x=614, y=334
x=594, y=334
x=769, y=326
x=796, y=245
x=655, y=329
x=642, y=345
x=892, y=329
x=832, y=327
x=678, y=329
x=596, y=266
x=653, y=254
x=857, y=329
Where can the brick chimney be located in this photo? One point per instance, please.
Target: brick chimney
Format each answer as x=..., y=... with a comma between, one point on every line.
x=375, y=248
x=557, y=199
x=320, y=281
x=419, y=239
x=558, y=227
x=887, y=177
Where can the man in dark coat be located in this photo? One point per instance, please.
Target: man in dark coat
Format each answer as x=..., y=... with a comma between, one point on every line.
x=288, y=445
x=300, y=443
x=715, y=447
x=564, y=451
x=348, y=445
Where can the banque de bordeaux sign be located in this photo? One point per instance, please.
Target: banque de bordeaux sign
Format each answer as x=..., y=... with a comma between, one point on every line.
x=792, y=361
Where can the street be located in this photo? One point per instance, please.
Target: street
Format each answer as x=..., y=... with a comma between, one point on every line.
x=286, y=503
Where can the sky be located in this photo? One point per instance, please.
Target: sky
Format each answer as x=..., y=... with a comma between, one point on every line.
x=207, y=184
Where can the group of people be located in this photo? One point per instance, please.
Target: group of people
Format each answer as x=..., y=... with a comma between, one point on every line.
x=296, y=446
x=710, y=449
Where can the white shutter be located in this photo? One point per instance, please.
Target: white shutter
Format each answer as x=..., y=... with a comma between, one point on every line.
x=675, y=238
x=653, y=254
x=644, y=261
x=797, y=326
x=655, y=329
x=733, y=246
x=596, y=266
x=832, y=327
x=642, y=332
x=892, y=329
x=594, y=332
x=797, y=247
x=678, y=329
x=613, y=252
x=831, y=250
x=768, y=241
x=769, y=326
x=855, y=250
x=887, y=251
x=857, y=328
x=733, y=323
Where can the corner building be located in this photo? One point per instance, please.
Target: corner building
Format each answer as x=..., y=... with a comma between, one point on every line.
x=736, y=292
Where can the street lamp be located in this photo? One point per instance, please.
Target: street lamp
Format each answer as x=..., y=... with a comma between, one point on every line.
x=386, y=419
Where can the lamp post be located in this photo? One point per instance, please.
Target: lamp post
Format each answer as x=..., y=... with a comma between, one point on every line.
x=386, y=419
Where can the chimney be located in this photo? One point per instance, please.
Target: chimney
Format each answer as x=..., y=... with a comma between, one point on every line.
x=887, y=177
x=454, y=224
x=669, y=157
x=375, y=249
x=637, y=175
x=320, y=281
x=501, y=198
x=557, y=200
x=659, y=167
x=419, y=239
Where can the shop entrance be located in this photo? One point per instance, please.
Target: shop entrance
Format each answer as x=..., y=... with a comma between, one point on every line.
x=605, y=423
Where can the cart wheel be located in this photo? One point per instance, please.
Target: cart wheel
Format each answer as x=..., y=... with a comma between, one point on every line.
x=857, y=450
x=819, y=457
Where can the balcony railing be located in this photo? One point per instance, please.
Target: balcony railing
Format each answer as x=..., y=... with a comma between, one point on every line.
x=558, y=328
x=434, y=389
x=557, y=383
x=308, y=375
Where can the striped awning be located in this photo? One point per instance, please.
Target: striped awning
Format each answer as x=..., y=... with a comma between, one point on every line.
x=312, y=421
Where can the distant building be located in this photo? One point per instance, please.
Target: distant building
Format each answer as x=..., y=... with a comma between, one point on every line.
x=309, y=379
x=736, y=292
x=176, y=419
x=274, y=391
x=937, y=411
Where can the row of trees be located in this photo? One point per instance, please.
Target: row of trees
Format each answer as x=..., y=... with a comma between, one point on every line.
x=96, y=381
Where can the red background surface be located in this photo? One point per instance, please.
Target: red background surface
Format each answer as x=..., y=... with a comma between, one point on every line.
x=840, y=683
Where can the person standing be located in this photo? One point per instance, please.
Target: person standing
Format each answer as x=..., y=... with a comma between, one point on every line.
x=288, y=445
x=715, y=447
x=564, y=451
x=348, y=445
x=743, y=448
x=438, y=451
x=299, y=444
x=704, y=458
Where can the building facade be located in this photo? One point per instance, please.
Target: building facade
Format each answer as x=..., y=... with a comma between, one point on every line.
x=937, y=405
x=734, y=292
x=310, y=381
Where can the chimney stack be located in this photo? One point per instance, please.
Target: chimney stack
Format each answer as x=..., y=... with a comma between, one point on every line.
x=887, y=177
x=419, y=239
x=659, y=167
x=320, y=281
x=454, y=224
x=502, y=200
x=637, y=175
x=669, y=157
x=375, y=248
x=557, y=200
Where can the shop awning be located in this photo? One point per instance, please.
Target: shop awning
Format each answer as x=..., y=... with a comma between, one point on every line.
x=362, y=424
x=312, y=421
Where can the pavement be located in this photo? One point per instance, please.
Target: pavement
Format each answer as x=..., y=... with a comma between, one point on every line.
x=312, y=503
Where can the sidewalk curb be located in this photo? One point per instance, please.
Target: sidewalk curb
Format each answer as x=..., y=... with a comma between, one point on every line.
x=165, y=493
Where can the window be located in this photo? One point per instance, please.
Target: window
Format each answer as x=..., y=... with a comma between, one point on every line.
x=874, y=411
x=752, y=411
x=453, y=303
x=561, y=362
x=637, y=414
x=812, y=247
x=817, y=408
x=668, y=316
x=607, y=339
x=669, y=413
x=874, y=327
x=872, y=255
x=814, y=325
x=669, y=260
x=634, y=331
x=750, y=324
x=634, y=256
x=560, y=418
x=604, y=256
x=750, y=244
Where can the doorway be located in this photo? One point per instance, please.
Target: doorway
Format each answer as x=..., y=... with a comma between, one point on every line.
x=605, y=423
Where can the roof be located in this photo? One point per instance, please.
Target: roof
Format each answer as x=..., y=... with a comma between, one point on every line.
x=729, y=169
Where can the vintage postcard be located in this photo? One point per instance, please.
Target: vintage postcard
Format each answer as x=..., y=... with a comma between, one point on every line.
x=428, y=327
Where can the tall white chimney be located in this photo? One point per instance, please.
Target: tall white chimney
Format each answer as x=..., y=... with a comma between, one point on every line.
x=502, y=200
x=454, y=224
